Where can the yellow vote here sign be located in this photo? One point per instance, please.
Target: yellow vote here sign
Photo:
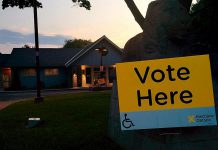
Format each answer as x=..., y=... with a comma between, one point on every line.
x=172, y=92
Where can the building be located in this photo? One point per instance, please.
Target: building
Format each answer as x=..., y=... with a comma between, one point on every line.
x=87, y=67
x=3, y=59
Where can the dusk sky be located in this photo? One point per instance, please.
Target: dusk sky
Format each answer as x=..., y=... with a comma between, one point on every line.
x=60, y=20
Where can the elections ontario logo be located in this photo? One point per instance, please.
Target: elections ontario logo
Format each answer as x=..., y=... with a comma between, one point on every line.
x=200, y=118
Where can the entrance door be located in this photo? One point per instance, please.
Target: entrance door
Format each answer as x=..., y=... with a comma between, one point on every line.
x=99, y=77
x=6, y=78
x=75, y=83
x=1, y=86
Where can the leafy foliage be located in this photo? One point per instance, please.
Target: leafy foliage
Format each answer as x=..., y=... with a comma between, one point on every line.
x=26, y=46
x=83, y=3
x=76, y=43
x=30, y=3
x=20, y=3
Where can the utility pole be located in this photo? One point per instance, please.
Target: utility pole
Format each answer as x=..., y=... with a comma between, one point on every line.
x=38, y=97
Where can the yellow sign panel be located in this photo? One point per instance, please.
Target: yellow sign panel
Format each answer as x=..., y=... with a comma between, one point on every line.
x=172, y=83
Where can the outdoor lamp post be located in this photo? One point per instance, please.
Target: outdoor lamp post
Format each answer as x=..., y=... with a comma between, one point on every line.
x=103, y=52
x=38, y=98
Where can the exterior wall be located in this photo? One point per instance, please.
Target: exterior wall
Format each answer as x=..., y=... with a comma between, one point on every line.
x=56, y=81
x=69, y=75
x=93, y=57
x=26, y=82
x=1, y=86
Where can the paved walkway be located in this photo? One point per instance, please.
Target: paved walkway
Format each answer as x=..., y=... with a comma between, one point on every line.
x=7, y=103
x=4, y=104
x=16, y=95
x=9, y=97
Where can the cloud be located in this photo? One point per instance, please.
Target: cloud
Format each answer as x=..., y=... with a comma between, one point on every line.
x=7, y=48
x=11, y=37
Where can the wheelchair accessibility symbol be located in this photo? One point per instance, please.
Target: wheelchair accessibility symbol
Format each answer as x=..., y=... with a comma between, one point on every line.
x=127, y=123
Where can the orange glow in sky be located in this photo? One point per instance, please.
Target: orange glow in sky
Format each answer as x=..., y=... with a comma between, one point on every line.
x=106, y=17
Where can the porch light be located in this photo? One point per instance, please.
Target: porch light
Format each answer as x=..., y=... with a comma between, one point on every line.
x=83, y=67
x=101, y=68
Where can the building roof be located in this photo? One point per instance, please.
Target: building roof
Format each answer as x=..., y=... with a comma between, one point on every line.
x=90, y=47
x=3, y=59
x=49, y=57
x=52, y=57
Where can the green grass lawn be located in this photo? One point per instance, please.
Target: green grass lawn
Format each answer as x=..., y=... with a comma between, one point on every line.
x=72, y=121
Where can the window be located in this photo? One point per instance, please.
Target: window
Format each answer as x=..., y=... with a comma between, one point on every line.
x=51, y=72
x=28, y=72
x=96, y=69
x=88, y=76
x=5, y=78
x=99, y=76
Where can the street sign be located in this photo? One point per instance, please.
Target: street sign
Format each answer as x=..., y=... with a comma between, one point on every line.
x=164, y=93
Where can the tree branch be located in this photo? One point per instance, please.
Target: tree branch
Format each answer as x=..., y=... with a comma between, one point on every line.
x=135, y=11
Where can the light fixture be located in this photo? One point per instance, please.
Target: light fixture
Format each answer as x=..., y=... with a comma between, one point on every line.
x=101, y=68
x=103, y=52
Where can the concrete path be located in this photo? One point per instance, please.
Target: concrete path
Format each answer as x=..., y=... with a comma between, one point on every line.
x=9, y=97
x=16, y=95
x=7, y=103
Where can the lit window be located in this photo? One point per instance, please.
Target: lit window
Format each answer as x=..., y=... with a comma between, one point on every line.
x=51, y=72
x=28, y=72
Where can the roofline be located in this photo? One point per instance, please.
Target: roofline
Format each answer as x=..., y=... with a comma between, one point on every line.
x=66, y=64
x=113, y=44
x=93, y=44
x=72, y=60
x=60, y=63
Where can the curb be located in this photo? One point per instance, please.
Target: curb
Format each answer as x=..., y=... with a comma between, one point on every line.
x=47, y=90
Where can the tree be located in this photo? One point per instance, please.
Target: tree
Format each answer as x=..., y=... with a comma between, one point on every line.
x=30, y=3
x=83, y=3
x=26, y=46
x=19, y=3
x=76, y=43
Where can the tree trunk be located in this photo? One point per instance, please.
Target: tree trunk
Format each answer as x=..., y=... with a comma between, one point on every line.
x=138, y=16
x=135, y=11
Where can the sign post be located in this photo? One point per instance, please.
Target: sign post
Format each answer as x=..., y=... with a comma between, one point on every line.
x=165, y=93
